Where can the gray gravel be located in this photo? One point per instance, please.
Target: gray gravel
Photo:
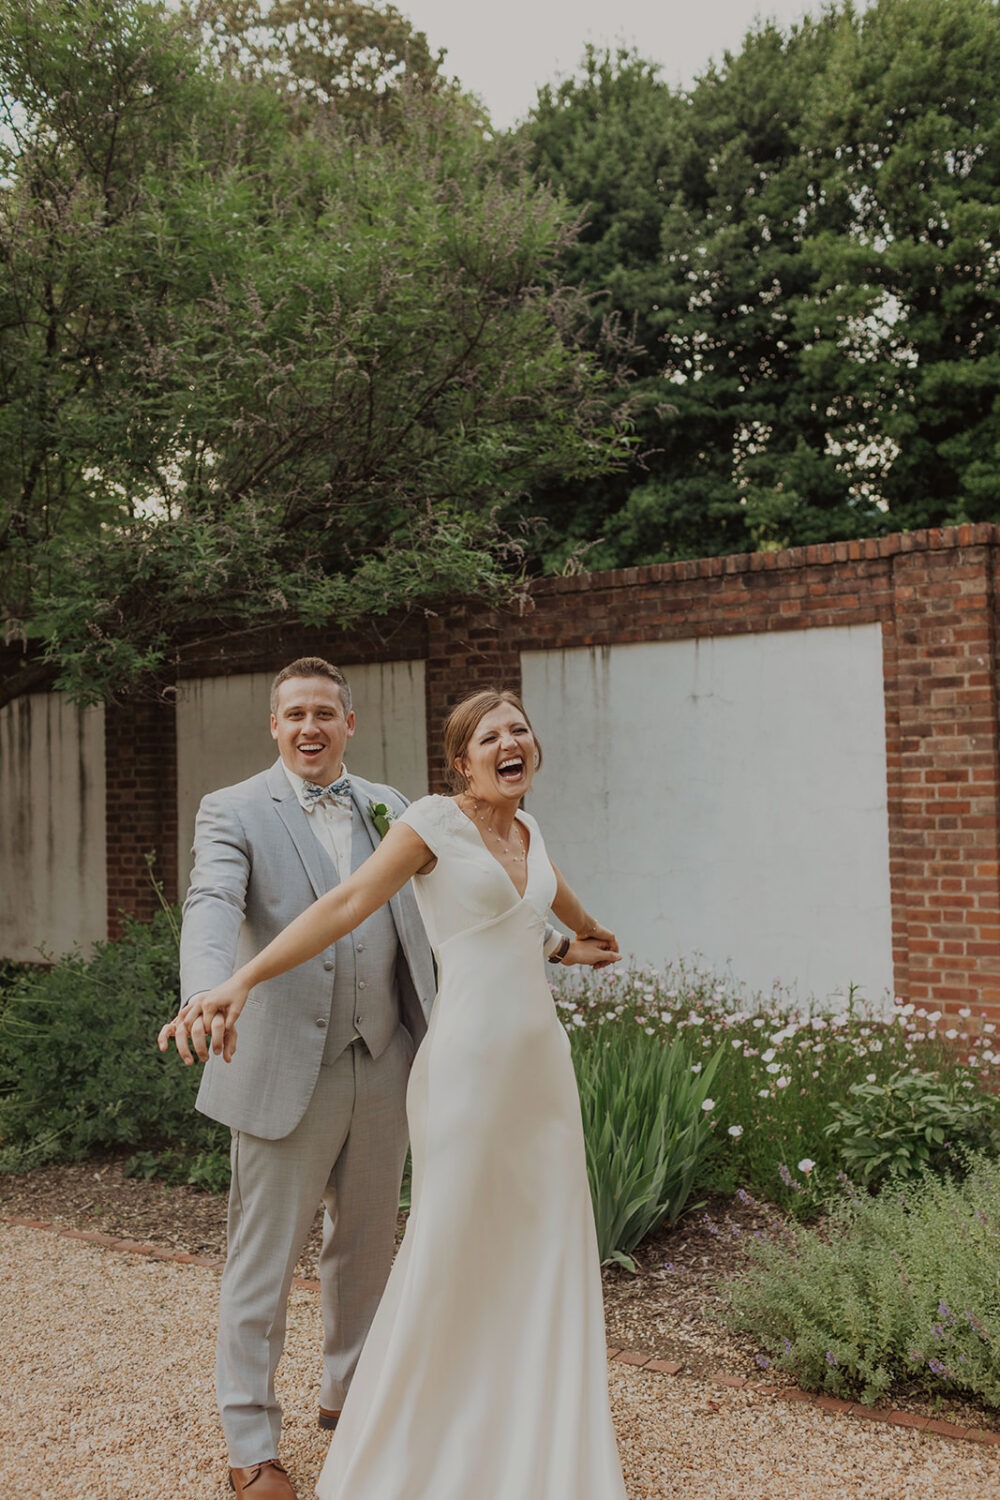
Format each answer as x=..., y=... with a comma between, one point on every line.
x=108, y=1395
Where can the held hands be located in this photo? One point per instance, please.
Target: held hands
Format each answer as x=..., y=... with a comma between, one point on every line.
x=207, y=1022
x=595, y=952
x=593, y=945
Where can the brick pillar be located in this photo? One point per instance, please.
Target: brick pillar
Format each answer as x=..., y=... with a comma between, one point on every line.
x=141, y=788
x=468, y=648
x=944, y=778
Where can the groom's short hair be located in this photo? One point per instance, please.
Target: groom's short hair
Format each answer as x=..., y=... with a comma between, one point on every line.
x=312, y=666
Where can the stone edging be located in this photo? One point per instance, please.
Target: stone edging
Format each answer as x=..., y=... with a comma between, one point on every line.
x=630, y=1357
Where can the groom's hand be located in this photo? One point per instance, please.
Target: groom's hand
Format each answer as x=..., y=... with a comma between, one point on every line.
x=207, y=1022
x=592, y=952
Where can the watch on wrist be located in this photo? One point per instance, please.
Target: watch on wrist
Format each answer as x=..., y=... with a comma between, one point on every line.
x=558, y=954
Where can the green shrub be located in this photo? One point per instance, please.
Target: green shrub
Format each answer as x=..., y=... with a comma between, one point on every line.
x=646, y=1130
x=910, y=1121
x=899, y=1290
x=79, y=1060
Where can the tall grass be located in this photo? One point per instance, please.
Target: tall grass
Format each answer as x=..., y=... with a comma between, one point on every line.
x=646, y=1131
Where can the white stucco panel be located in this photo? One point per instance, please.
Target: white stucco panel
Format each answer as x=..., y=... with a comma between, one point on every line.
x=727, y=798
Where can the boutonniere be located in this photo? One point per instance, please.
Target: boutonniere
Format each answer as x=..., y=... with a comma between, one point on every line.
x=383, y=817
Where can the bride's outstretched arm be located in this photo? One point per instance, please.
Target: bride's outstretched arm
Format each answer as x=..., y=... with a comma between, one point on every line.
x=573, y=914
x=209, y=1020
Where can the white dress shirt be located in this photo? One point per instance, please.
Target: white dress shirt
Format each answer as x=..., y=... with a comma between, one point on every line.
x=330, y=822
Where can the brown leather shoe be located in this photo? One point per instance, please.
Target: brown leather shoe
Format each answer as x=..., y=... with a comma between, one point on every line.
x=265, y=1481
x=328, y=1419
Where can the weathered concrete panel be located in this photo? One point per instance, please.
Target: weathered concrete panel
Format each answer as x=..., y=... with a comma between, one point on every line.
x=52, y=813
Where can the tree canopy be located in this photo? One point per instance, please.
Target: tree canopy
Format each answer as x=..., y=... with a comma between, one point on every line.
x=806, y=244
x=248, y=368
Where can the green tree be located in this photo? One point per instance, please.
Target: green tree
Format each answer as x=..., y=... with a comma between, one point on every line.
x=248, y=369
x=904, y=331
x=343, y=53
x=805, y=247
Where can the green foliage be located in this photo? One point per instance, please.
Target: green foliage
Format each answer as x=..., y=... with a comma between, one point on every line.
x=207, y=1170
x=909, y=1122
x=783, y=1074
x=803, y=245
x=346, y=54
x=899, y=1290
x=646, y=1131
x=255, y=360
x=79, y=1059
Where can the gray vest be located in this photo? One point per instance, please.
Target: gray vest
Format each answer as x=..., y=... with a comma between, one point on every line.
x=363, y=966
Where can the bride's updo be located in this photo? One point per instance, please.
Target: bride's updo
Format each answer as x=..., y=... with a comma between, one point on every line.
x=463, y=721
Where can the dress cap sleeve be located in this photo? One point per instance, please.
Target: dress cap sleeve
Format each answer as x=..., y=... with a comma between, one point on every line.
x=429, y=817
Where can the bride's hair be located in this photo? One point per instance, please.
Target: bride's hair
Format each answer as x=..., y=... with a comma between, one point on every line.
x=461, y=726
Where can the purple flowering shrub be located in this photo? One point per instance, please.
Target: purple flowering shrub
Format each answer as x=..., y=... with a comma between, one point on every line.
x=899, y=1292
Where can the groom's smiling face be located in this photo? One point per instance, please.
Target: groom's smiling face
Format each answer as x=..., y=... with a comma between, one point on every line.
x=311, y=728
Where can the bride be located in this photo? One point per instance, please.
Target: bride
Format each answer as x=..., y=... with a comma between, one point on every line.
x=484, y=1374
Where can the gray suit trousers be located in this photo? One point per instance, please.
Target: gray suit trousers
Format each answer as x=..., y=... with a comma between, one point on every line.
x=347, y=1152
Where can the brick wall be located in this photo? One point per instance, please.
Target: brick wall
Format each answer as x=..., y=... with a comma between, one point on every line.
x=933, y=593
x=141, y=796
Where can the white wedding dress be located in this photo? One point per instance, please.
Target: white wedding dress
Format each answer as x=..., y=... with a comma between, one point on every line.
x=484, y=1376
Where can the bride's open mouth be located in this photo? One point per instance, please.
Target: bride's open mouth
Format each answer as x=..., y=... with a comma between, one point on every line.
x=511, y=769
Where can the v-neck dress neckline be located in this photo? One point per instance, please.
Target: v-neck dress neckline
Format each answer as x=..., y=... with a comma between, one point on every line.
x=520, y=818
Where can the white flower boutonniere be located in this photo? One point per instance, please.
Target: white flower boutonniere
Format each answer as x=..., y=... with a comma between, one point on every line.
x=383, y=817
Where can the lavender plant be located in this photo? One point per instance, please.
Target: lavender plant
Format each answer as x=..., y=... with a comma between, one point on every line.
x=900, y=1290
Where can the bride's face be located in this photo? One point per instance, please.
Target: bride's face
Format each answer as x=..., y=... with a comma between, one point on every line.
x=499, y=760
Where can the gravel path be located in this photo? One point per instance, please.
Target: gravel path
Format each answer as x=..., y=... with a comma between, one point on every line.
x=108, y=1395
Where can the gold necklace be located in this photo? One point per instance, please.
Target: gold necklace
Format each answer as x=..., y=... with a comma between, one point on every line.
x=504, y=843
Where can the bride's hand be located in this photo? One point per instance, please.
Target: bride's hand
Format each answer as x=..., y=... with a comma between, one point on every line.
x=602, y=935
x=207, y=1022
x=594, y=952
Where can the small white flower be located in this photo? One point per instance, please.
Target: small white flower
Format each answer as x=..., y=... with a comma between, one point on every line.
x=767, y=1056
x=774, y=1067
x=696, y=1067
x=763, y=1093
x=782, y=1083
x=870, y=1077
x=951, y=1033
x=708, y=1104
x=806, y=1165
x=735, y=1131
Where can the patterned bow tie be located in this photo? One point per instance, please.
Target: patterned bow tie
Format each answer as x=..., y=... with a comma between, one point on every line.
x=338, y=792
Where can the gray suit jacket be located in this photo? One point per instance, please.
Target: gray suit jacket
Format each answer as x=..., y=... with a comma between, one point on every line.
x=257, y=866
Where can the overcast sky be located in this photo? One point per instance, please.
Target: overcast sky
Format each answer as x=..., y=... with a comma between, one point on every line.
x=504, y=49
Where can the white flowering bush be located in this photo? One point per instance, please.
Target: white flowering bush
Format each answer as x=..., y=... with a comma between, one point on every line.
x=783, y=1069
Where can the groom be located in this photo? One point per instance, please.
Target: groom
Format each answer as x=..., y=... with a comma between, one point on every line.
x=315, y=1094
